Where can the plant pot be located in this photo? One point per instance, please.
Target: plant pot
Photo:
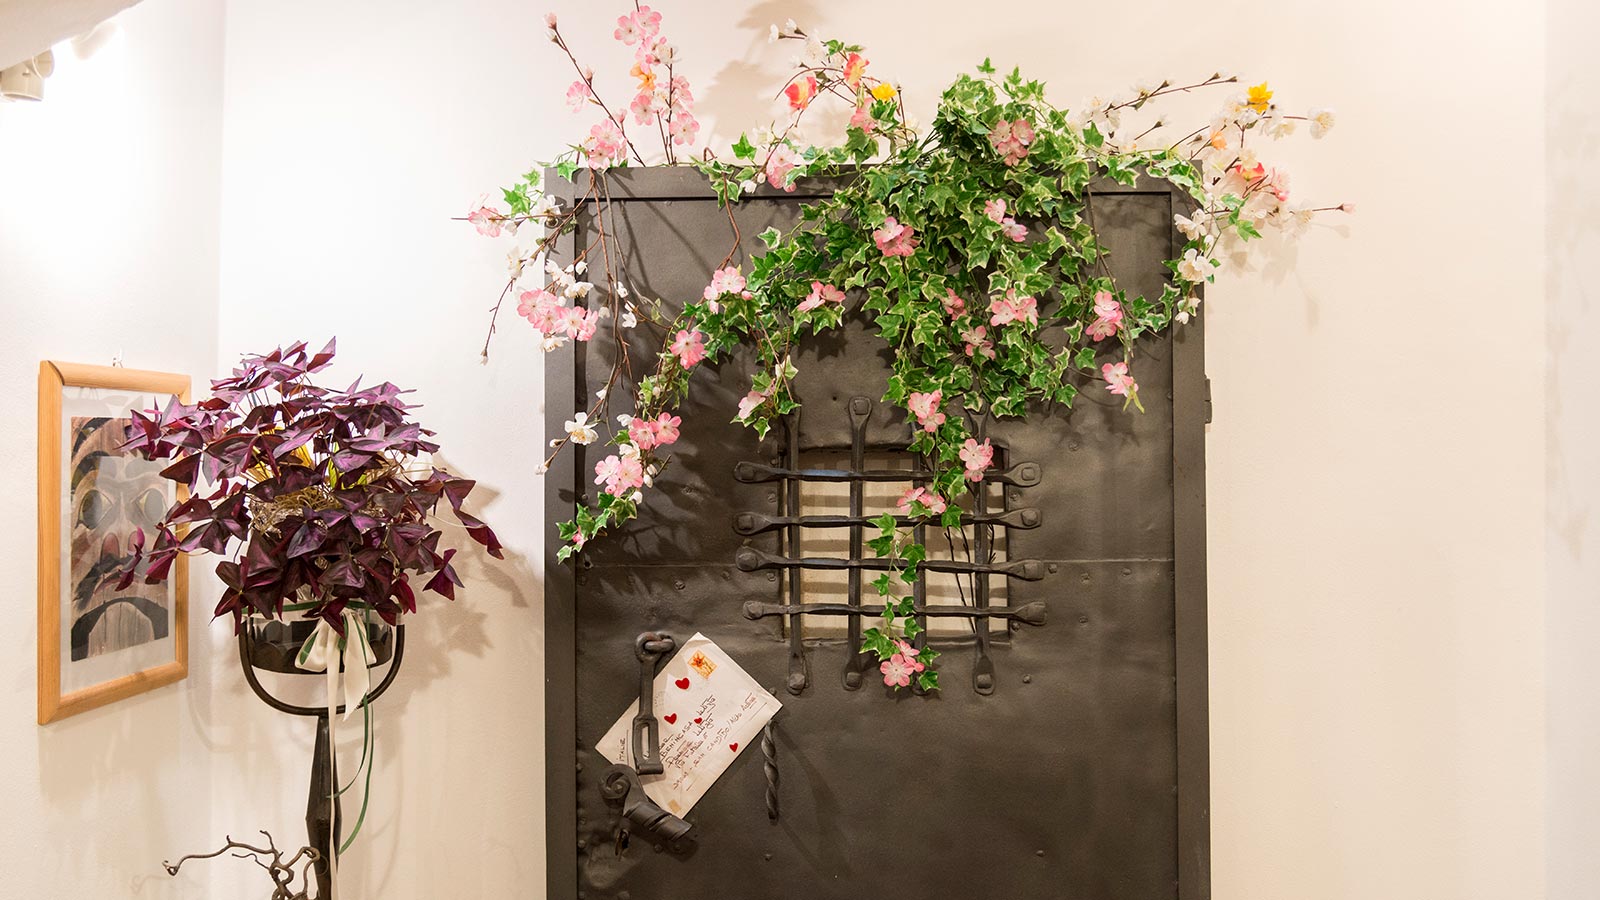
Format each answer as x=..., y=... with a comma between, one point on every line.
x=273, y=645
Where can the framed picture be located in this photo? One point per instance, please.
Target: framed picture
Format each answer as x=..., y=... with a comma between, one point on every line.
x=97, y=644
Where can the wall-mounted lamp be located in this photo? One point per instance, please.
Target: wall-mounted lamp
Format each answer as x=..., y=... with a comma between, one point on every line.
x=25, y=80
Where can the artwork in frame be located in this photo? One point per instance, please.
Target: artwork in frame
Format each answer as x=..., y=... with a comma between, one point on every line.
x=99, y=643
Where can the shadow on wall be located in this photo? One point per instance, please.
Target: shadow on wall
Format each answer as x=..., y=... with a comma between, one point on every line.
x=127, y=746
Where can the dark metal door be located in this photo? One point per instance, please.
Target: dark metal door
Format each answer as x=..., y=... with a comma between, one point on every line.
x=1061, y=760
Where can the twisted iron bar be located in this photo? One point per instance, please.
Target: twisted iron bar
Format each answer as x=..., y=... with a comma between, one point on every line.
x=769, y=765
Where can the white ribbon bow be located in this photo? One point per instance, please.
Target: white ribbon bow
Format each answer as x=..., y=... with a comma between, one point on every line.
x=322, y=652
x=345, y=660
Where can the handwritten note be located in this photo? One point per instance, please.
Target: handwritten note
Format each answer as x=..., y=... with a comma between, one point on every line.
x=709, y=711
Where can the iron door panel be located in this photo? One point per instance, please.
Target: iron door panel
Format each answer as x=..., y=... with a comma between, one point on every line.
x=1072, y=779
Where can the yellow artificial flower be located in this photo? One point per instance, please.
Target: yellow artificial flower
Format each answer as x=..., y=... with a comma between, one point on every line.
x=883, y=90
x=1259, y=97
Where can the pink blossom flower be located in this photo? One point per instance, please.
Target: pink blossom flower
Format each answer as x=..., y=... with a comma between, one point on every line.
x=1011, y=139
x=895, y=239
x=996, y=210
x=648, y=434
x=665, y=428
x=953, y=304
x=930, y=499
x=750, y=402
x=820, y=294
x=726, y=281
x=897, y=671
x=642, y=435
x=1118, y=381
x=779, y=163
x=1277, y=184
x=862, y=119
x=577, y=95
x=926, y=408
x=1012, y=308
x=683, y=128
x=605, y=146
x=582, y=327
x=619, y=474
x=535, y=304
x=800, y=91
x=976, y=458
x=978, y=343
x=910, y=653
x=644, y=107
x=689, y=347
x=639, y=26
x=487, y=220
x=1108, y=316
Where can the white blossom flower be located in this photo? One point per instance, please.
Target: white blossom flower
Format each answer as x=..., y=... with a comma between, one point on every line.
x=577, y=290
x=1197, y=227
x=1193, y=266
x=747, y=187
x=629, y=450
x=628, y=319
x=1321, y=121
x=1277, y=125
x=545, y=205
x=636, y=496
x=667, y=54
x=789, y=26
x=541, y=468
x=621, y=290
x=580, y=267
x=580, y=429
x=515, y=261
x=624, y=419
x=772, y=36
x=552, y=342
x=601, y=394
x=816, y=52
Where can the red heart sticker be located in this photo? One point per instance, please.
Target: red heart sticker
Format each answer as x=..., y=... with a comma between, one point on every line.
x=670, y=717
x=734, y=747
x=697, y=720
x=682, y=683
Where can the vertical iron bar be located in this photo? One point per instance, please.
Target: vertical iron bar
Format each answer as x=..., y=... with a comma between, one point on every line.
x=860, y=408
x=769, y=765
x=322, y=823
x=797, y=652
x=983, y=537
x=919, y=588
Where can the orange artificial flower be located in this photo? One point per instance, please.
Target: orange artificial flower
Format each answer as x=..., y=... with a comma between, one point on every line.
x=800, y=92
x=854, y=66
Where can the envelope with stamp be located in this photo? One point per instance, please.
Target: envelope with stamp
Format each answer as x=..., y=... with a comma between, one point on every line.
x=709, y=709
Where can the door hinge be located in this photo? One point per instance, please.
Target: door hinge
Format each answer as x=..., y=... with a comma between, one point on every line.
x=1208, y=401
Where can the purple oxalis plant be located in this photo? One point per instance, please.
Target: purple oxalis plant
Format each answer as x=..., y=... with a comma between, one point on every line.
x=317, y=495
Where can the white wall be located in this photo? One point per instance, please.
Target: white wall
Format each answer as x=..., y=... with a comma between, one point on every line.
x=1572, y=555
x=1377, y=498
x=1376, y=493
x=109, y=198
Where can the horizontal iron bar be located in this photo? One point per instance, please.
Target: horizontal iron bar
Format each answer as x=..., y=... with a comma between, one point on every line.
x=1021, y=475
x=757, y=523
x=750, y=559
x=1028, y=613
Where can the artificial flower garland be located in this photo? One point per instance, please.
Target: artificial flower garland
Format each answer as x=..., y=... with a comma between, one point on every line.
x=970, y=247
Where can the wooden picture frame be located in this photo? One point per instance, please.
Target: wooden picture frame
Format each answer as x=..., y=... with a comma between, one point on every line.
x=117, y=646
